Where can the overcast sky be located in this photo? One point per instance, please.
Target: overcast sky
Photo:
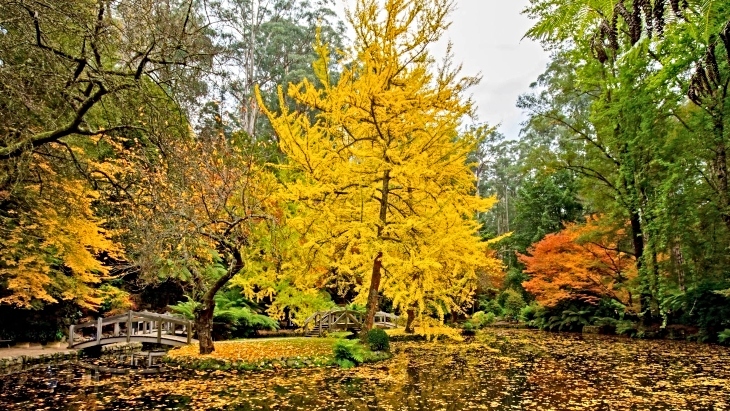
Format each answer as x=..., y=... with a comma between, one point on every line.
x=487, y=38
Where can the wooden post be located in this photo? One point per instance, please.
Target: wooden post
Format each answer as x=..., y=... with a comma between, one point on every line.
x=129, y=326
x=71, y=336
x=99, y=325
x=116, y=329
x=159, y=331
x=189, y=328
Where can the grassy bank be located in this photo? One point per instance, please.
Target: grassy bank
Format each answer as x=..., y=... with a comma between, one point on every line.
x=261, y=354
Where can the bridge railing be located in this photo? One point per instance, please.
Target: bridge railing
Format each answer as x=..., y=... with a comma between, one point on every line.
x=342, y=319
x=132, y=324
x=384, y=319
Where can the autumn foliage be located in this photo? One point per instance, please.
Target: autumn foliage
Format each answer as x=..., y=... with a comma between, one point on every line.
x=380, y=173
x=581, y=262
x=257, y=351
x=50, y=239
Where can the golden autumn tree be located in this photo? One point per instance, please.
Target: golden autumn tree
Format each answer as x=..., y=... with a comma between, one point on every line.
x=75, y=75
x=384, y=195
x=51, y=239
x=207, y=212
x=581, y=262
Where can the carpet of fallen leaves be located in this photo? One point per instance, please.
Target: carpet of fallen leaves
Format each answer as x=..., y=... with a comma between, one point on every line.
x=497, y=370
x=256, y=351
x=428, y=333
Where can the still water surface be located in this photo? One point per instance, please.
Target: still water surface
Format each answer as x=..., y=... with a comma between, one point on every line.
x=499, y=370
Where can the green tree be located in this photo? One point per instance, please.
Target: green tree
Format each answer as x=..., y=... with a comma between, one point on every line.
x=613, y=107
x=268, y=44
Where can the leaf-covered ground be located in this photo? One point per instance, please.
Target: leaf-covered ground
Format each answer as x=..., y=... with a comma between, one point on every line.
x=499, y=370
x=257, y=351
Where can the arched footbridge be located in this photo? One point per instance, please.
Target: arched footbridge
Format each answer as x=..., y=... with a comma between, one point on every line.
x=144, y=327
x=340, y=319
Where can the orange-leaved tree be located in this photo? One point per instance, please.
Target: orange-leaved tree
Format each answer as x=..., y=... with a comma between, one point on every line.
x=383, y=191
x=582, y=262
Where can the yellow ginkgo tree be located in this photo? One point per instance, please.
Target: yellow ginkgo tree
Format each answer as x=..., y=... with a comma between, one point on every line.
x=383, y=191
x=53, y=243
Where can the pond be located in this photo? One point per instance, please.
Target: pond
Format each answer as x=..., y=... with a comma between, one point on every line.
x=498, y=370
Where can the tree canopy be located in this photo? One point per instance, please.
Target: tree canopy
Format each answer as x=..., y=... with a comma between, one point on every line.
x=378, y=166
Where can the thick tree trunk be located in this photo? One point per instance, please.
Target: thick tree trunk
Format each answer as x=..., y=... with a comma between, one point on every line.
x=409, y=321
x=372, y=306
x=204, y=312
x=204, y=327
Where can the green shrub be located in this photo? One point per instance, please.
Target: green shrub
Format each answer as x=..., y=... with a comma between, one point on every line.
x=378, y=340
x=724, y=337
x=477, y=319
x=512, y=303
x=626, y=327
x=529, y=314
x=572, y=320
x=491, y=306
x=705, y=306
x=481, y=319
x=468, y=328
x=348, y=353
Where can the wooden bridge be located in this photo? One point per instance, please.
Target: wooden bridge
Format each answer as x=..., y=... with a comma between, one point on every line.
x=144, y=327
x=340, y=319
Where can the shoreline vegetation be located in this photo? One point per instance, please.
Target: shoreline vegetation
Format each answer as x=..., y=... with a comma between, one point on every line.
x=266, y=354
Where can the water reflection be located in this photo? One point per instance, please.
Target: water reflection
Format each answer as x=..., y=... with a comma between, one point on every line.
x=512, y=370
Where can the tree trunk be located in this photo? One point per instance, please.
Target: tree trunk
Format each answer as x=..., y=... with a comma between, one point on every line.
x=721, y=170
x=372, y=306
x=409, y=321
x=204, y=312
x=679, y=264
x=645, y=295
x=204, y=327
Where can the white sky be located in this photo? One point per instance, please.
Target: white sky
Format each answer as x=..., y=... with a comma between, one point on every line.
x=487, y=39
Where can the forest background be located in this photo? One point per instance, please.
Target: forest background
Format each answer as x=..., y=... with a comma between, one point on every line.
x=138, y=169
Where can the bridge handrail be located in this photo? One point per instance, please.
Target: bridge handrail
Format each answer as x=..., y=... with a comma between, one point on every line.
x=335, y=316
x=387, y=315
x=148, y=319
x=135, y=315
x=339, y=316
x=321, y=314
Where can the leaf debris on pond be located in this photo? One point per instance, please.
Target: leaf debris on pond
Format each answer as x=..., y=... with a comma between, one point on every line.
x=498, y=370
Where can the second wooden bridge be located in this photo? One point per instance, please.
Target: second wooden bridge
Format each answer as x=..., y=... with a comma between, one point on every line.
x=341, y=319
